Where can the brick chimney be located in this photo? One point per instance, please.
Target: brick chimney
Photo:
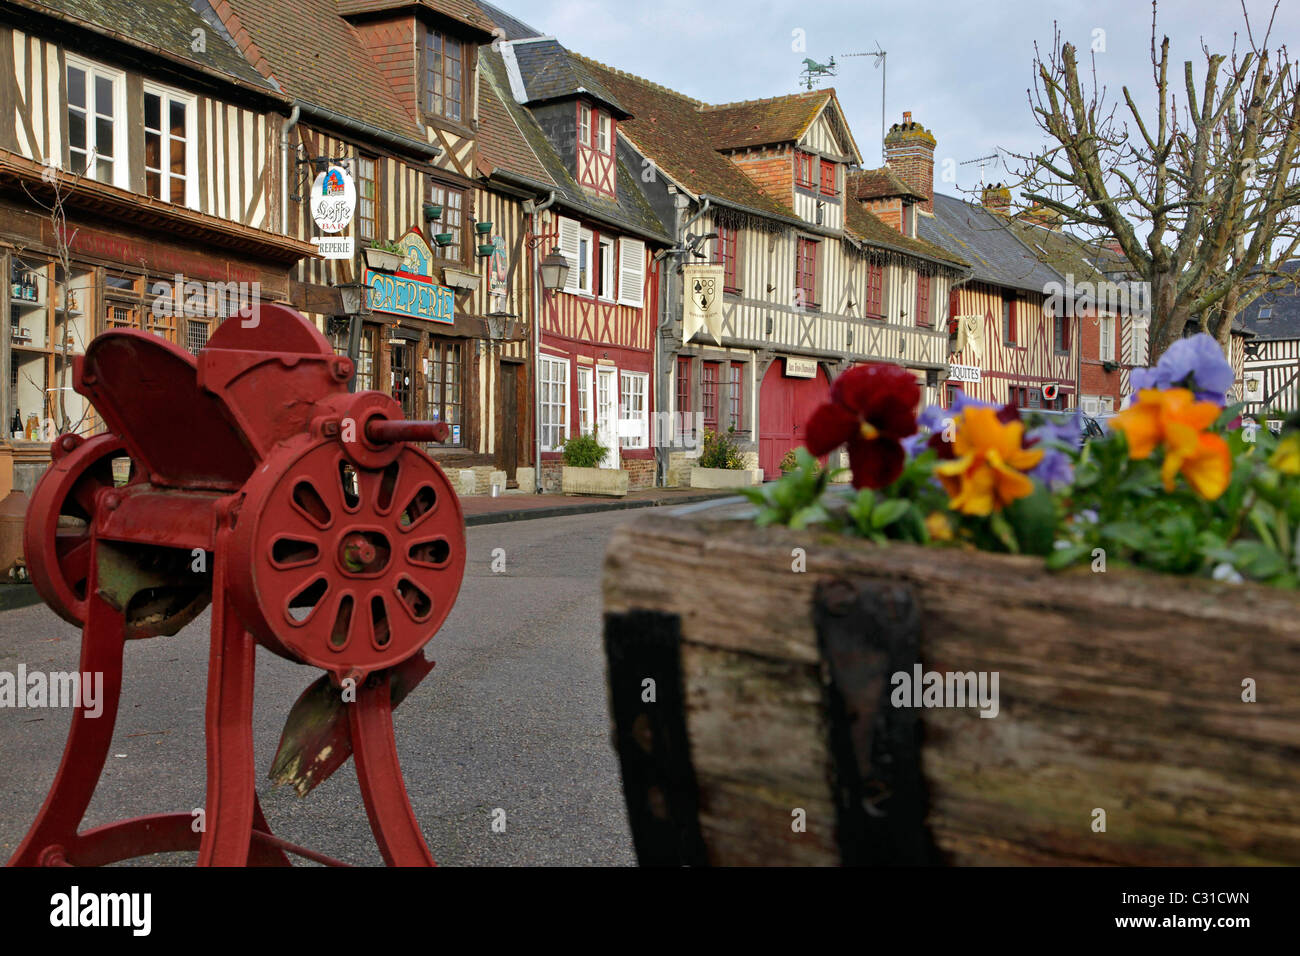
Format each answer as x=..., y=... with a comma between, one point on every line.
x=909, y=151
x=997, y=198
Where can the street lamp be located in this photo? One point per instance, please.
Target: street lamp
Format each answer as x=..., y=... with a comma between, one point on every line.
x=555, y=271
x=356, y=303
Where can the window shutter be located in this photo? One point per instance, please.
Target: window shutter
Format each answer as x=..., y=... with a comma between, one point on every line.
x=569, y=249
x=631, y=272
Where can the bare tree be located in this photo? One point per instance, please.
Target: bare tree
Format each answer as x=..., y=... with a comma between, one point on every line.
x=1200, y=196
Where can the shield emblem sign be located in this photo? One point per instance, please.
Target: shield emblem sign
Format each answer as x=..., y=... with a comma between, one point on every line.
x=703, y=292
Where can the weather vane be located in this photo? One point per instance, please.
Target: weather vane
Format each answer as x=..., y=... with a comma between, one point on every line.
x=813, y=71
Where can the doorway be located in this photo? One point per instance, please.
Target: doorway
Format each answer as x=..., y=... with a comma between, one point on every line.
x=401, y=373
x=607, y=414
x=508, y=420
x=785, y=405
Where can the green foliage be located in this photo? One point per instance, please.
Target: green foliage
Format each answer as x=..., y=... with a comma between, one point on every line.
x=789, y=461
x=383, y=245
x=583, y=451
x=720, y=450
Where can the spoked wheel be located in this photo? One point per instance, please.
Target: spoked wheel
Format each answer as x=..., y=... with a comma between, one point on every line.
x=350, y=569
x=56, y=534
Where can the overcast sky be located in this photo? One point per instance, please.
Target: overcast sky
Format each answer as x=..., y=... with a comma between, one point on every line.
x=962, y=68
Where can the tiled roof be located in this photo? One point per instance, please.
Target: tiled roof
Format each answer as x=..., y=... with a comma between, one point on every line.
x=668, y=127
x=778, y=119
x=513, y=28
x=995, y=253
x=861, y=223
x=550, y=73
x=629, y=210
x=464, y=12
x=167, y=25
x=882, y=183
x=317, y=56
x=1069, y=254
x=501, y=140
x=1284, y=322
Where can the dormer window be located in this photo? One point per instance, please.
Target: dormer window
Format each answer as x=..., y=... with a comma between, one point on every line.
x=830, y=178
x=595, y=149
x=444, y=75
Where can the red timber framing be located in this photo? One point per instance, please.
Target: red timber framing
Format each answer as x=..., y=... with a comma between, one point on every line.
x=602, y=345
x=597, y=136
x=1015, y=371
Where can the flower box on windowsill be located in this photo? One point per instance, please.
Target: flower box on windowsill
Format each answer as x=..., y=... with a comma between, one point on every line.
x=726, y=477
x=458, y=279
x=1120, y=691
x=383, y=260
x=611, y=482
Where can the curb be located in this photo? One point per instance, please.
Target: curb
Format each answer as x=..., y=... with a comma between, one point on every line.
x=560, y=511
x=14, y=596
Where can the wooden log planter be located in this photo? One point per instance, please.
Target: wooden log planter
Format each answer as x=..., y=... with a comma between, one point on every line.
x=1119, y=692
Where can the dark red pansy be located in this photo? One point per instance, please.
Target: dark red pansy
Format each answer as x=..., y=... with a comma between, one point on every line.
x=871, y=409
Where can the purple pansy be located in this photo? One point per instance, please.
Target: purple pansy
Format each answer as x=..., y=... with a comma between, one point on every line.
x=1196, y=363
x=1054, y=470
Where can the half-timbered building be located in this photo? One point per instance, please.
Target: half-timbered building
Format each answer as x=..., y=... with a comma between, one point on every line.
x=138, y=189
x=595, y=361
x=812, y=283
x=1271, y=355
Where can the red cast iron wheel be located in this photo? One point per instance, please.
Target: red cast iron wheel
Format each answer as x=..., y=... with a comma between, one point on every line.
x=57, y=551
x=347, y=568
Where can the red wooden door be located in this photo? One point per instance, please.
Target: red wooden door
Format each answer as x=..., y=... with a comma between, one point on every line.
x=784, y=407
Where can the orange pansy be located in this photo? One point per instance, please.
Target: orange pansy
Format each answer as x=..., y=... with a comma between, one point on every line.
x=1172, y=418
x=987, y=472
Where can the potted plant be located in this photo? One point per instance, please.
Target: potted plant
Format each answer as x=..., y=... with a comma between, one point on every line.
x=789, y=462
x=385, y=256
x=432, y=211
x=582, y=474
x=722, y=464
x=1004, y=645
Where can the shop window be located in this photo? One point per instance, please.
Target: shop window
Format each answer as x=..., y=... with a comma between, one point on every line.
x=170, y=156
x=96, y=122
x=452, y=222
x=632, y=409
x=367, y=195
x=709, y=394
x=553, y=417
x=445, y=387
x=736, y=395
x=444, y=75
x=365, y=365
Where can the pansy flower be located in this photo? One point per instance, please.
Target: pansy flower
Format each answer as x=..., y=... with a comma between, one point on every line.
x=986, y=463
x=872, y=408
x=1175, y=420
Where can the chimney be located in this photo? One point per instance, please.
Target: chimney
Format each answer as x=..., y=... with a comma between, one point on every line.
x=997, y=198
x=909, y=152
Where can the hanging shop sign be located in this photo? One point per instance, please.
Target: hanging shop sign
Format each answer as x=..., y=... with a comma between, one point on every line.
x=800, y=368
x=333, y=200
x=410, y=291
x=964, y=373
x=702, y=310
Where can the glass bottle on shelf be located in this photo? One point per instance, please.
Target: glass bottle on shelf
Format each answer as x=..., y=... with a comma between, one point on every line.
x=17, y=288
x=16, y=426
x=33, y=428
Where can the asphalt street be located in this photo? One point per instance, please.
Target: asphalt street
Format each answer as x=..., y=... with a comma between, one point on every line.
x=513, y=717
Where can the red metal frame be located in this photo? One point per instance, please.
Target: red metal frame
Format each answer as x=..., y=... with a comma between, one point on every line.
x=221, y=450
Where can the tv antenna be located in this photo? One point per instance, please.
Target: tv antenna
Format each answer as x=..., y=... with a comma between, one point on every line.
x=880, y=65
x=983, y=161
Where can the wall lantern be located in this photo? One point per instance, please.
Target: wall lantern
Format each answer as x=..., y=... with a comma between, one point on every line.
x=355, y=299
x=555, y=271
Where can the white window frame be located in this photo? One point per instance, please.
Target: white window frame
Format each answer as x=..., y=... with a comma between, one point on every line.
x=1106, y=334
x=631, y=272
x=121, y=160
x=587, y=261
x=586, y=382
x=549, y=364
x=166, y=93
x=602, y=134
x=607, y=266
x=584, y=124
x=633, y=385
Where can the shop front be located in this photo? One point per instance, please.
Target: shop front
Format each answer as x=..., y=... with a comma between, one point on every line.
x=105, y=261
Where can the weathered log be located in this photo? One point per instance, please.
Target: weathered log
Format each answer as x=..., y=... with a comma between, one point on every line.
x=1119, y=691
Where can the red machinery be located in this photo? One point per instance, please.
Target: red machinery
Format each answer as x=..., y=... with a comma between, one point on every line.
x=252, y=479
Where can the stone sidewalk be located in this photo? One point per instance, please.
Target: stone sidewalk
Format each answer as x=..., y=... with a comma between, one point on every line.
x=518, y=506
